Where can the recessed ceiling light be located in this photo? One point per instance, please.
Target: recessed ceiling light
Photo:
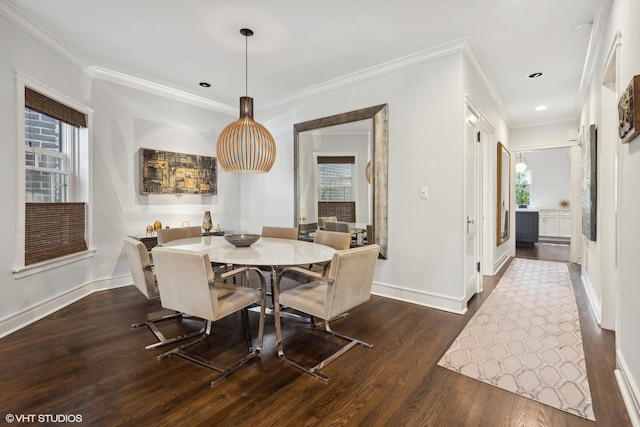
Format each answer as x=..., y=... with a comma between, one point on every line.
x=534, y=75
x=541, y=107
x=205, y=84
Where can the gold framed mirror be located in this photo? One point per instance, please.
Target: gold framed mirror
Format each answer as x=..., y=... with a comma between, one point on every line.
x=503, y=193
x=370, y=152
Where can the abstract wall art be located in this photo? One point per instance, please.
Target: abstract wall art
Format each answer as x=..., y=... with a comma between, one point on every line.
x=166, y=172
x=589, y=182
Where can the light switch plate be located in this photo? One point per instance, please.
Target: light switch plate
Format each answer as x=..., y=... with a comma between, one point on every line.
x=423, y=192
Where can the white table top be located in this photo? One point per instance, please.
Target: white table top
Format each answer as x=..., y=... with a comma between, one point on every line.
x=265, y=252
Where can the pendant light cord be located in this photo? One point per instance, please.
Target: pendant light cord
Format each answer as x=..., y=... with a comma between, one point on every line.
x=246, y=65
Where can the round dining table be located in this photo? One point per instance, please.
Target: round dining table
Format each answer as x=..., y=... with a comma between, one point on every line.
x=266, y=251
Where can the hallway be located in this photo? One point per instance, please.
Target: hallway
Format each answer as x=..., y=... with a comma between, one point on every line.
x=544, y=251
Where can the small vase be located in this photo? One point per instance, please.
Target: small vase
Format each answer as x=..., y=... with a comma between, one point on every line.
x=207, y=225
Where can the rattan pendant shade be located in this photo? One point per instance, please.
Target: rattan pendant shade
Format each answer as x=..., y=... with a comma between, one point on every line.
x=245, y=146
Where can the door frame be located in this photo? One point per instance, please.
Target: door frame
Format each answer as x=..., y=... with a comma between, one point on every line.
x=480, y=129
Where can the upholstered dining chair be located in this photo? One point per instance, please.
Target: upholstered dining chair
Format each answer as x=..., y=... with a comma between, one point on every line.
x=166, y=235
x=186, y=283
x=336, y=240
x=280, y=232
x=340, y=226
x=323, y=219
x=371, y=237
x=306, y=230
x=290, y=233
x=347, y=285
x=144, y=279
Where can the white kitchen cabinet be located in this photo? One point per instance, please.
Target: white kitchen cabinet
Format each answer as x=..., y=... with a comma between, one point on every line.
x=555, y=223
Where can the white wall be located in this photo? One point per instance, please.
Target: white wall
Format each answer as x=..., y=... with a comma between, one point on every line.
x=622, y=19
x=494, y=130
x=425, y=149
x=426, y=237
x=21, y=52
x=126, y=120
x=550, y=176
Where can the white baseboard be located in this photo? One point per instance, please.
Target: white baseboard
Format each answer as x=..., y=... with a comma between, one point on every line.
x=594, y=303
x=427, y=299
x=38, y=311
x=500, y=263
x=629, y=390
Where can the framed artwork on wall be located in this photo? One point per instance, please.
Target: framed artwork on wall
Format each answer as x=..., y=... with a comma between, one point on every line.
x=166, y=172
x=629, y=111
x=589, y=182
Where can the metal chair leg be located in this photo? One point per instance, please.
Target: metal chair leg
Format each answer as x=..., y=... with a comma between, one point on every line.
x=315, y=370
x=162, y=339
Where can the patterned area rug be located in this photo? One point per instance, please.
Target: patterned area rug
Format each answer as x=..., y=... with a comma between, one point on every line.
x=525, y=338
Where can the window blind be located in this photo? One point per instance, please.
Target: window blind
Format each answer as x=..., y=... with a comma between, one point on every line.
x=53, y=230
x=44, y=104
x=336, y=159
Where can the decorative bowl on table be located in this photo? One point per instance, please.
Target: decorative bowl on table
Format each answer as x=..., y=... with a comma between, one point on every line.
x=242, y=240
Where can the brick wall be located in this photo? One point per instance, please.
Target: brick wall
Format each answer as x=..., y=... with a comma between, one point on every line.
x=550, y=176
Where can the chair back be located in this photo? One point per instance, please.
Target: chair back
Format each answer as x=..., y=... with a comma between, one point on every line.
x=168, y=234
x=305, y=229
x=140, y=266
x=342, y=227
x=323, y=219
x=183, y=282
x=352, y=273
x=280, y=232
x=334, y=239
x=371, y=237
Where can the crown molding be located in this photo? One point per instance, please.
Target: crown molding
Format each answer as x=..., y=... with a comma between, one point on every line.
x=14, y=15
x=97, y=72
x=474, y=63
x=455, y=47
x=595, y=44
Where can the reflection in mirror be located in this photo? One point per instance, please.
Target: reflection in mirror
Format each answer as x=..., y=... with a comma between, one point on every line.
x=340, y=169
x=504, y=201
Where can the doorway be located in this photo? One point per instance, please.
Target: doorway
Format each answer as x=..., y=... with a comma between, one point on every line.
x=543, y=194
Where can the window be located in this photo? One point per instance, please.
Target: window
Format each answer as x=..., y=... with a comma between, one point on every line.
x=54, y=213
x=523, y=188
x=336, y=187
x=48, y=147
x=335, y=178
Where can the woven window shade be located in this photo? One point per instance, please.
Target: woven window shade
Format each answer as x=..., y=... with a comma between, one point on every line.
x=39, y=102
x=53, y=230
x=336, y=159
x=344, y=211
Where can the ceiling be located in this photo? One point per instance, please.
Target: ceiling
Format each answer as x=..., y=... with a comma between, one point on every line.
x=302, y=45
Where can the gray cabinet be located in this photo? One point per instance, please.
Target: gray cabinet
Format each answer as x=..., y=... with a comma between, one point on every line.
x=527, y=226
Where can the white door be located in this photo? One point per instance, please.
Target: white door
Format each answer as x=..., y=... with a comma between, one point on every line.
x=473, y=223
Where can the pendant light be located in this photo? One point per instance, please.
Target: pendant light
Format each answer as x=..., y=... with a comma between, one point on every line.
x=245, y=146
x=520, y=166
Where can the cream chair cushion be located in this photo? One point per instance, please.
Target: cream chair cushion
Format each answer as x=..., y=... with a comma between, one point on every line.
x=334, y=239
x=352, y=275
x=140, y=265
x=280, y=232
x=166, y=235
x=184, y=281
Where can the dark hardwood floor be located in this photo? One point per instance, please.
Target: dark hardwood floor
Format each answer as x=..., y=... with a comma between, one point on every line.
x=86, y=360
x=550, y=251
